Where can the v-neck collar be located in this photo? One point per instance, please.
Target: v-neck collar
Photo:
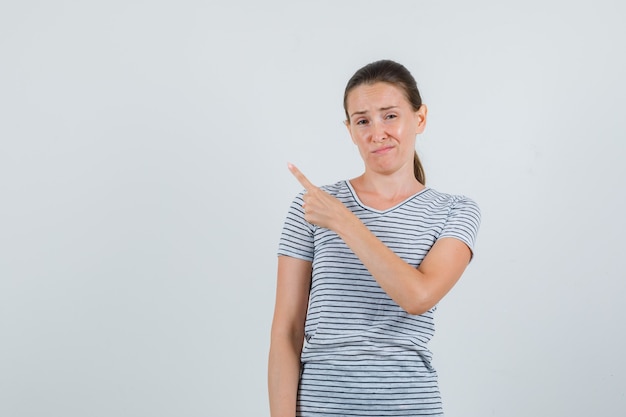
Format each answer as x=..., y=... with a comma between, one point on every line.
x=366, y=207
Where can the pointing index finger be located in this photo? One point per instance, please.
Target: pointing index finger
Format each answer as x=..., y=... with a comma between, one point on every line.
x=308, y=185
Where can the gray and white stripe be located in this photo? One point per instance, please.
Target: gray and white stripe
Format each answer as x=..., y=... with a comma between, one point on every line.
x=363, y=354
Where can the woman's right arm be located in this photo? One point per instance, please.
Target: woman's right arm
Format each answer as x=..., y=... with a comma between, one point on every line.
x=287, y=336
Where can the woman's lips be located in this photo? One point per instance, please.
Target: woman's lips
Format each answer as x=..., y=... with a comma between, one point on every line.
x=384, y=149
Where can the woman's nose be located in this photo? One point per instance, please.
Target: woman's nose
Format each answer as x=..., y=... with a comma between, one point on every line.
x=378, y=132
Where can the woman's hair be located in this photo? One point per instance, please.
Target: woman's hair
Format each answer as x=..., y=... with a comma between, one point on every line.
x=390, y=72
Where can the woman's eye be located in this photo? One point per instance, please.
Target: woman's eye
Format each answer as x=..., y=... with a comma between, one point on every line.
x=391, y=116
x=361, y=122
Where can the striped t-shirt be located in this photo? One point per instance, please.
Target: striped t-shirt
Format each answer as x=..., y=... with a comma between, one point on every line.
x=363, y=354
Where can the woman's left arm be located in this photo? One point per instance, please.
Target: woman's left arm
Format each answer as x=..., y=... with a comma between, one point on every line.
x=416, y=290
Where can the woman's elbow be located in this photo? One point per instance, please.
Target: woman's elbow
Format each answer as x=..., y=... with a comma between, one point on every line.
x=417, y=309
x=419, y=304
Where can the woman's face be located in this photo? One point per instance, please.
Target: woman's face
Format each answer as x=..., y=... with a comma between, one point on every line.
x=383, y=125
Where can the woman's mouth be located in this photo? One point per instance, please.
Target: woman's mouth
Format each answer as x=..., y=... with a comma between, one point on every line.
x=382, y=150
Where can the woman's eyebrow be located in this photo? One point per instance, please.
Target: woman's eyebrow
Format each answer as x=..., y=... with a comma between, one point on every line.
x=360, y=112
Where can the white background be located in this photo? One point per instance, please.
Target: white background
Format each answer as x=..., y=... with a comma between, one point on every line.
x=143, y=184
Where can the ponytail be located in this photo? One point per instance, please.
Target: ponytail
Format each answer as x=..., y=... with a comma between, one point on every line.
x=418, y=169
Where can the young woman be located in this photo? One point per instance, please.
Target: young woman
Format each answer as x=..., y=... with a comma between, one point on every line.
x=362, y=265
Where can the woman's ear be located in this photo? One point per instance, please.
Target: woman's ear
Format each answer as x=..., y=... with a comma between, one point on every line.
x=420, y=115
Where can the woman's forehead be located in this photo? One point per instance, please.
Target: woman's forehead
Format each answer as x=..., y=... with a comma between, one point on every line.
x=380, y=93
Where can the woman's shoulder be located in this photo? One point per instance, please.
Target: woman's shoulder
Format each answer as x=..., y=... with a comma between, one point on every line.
x=460, y=214
x=336, y=189
x=449, y=200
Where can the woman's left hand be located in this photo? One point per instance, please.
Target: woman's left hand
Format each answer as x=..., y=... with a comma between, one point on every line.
x=320, y=208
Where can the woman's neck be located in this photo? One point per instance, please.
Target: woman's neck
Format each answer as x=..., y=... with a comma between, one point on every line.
x=384, y=191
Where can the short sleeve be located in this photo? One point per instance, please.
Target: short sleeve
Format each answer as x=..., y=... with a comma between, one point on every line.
x=463, y=221
x=296, y=239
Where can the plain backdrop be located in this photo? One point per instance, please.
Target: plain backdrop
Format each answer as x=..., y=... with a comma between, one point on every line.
x=143, y=186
